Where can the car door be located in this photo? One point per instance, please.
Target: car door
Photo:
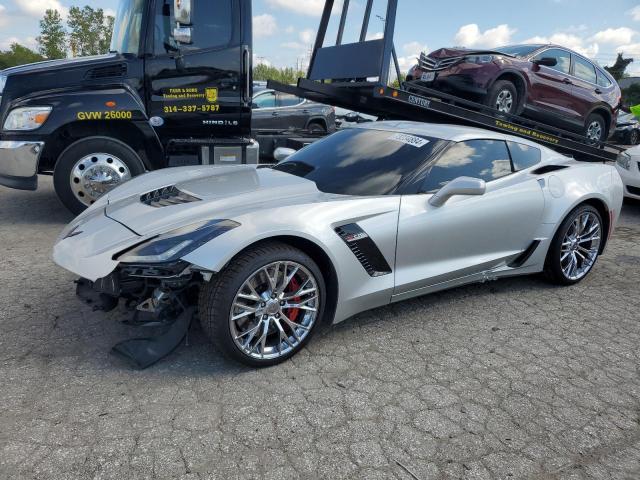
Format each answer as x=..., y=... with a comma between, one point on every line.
x=551, y=88
x=264, y=111
x=199, y=87
x=293, y=113
x=586, y=91
x=468, y=235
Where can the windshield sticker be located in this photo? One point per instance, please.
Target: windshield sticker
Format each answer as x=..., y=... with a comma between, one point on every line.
x=412, y=140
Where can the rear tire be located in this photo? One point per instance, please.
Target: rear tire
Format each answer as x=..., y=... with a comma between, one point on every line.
x=230, y=311
x=503, y=96
x=595, y=128
x=571, y=243
x=92, y=166
x=317, y=128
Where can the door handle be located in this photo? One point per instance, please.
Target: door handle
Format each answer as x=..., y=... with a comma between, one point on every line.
x=566, y=81
x=246, y=61
x=274, y=114
x=598, y=91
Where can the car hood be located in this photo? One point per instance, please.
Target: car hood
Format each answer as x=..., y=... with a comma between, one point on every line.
x=221, y=193
x=460, y=52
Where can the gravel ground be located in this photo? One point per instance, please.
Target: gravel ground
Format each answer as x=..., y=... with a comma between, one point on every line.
x=512, y=379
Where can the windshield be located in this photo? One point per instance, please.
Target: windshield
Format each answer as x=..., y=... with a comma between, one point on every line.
x=360, y=161
x=127, y=27
x=519, y=50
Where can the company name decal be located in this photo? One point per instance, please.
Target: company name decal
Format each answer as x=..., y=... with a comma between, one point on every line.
x=528, y=132
x=421, y=102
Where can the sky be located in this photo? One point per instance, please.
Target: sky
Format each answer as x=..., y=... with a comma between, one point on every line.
x=284, y=30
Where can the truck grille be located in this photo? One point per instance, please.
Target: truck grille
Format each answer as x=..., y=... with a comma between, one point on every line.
x=167, y=196
x=437, y=64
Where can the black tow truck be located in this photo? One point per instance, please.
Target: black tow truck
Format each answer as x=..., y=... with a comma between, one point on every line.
x=175, y=90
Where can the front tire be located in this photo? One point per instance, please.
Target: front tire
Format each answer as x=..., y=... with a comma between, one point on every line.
x=503, y=96
x=595, y=128
x=317, y=128
x=575, y=247
x=264, y=307
x=91, y=167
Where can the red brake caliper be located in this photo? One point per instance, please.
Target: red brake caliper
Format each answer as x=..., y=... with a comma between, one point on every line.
x=294, y=286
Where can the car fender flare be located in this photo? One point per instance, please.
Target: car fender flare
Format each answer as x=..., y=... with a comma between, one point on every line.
x=520, y=75
x=215, y=255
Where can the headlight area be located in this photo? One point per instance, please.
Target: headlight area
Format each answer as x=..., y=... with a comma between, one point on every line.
x=624, y=160
x=156, y=285
x=26, y=118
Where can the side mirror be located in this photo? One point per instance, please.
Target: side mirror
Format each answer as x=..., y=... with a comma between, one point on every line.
x=546, y=62
x=254, y=105
x=282, y=153
x=458, y=186
x=351, y=117
x=182, y=12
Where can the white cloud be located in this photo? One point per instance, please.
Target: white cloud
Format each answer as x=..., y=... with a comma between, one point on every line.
x=4, y=19
x=570, y=41
x=471, y=36
x=635, y=13
x=632, y=49
x=411, y=51
x=264, y=25
x=29, y=42
x=289, y=29
x=615, y=36
x=375, y=36
x=305, y=7
x=308, y=36
x=36, y=8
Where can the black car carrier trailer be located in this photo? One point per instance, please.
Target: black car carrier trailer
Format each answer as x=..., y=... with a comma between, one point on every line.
x=355, y=76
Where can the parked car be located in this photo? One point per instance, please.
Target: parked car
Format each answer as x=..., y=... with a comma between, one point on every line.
x=281, y=111
x=545, y=82
x=368, y=216
x=628, y=166
x=627, y=129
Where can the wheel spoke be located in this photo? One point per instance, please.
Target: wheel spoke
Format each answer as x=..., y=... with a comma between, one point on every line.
x=244, y=314
x=283, y=335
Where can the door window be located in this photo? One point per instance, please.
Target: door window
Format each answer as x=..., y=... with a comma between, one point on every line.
x=212, y=26
x=286, y=100
x=563, y=59
x=523, y=156
x=484, y=159
x=584, y=70
x=603, y=80
x=265, y=100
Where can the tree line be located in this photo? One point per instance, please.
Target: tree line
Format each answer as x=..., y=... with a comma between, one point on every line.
x=87, y=31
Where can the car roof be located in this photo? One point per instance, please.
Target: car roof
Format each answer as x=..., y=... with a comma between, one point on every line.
x=453, y=133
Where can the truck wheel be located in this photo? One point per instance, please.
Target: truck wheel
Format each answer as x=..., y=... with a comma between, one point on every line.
x=503, y=96
x=595, y=128
x=265, y=305
x=91, y=167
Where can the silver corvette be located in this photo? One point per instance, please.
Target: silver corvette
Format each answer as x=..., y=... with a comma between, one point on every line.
x=365, y=217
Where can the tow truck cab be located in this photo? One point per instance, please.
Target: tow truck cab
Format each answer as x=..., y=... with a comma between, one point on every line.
x=176, y=89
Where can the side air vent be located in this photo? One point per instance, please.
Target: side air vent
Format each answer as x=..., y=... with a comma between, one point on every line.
x=167, y=196
x=549, y=169
x=365, y=249
x=108, y=71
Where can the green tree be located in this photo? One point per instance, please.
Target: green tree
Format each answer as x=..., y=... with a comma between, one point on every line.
x=618, y=68
x=90, y=31
x=18, y=55
x=52, y=42
x=264, y=72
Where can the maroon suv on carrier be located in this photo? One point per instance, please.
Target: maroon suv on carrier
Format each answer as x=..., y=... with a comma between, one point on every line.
x=548, y=83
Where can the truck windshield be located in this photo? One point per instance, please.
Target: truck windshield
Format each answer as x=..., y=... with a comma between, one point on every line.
x=127, y=27
x=357, y=161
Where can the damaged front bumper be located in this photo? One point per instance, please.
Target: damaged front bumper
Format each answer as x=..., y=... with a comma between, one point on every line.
x=19, y=164
x=157, y=296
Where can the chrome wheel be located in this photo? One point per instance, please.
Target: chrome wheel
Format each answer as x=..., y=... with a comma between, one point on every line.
x=594, y=131
x=274, y=310
x=504, y=101
x=94, y=175
x=580, y=246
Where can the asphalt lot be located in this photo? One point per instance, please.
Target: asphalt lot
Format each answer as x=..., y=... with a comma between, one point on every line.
x=512, y=379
